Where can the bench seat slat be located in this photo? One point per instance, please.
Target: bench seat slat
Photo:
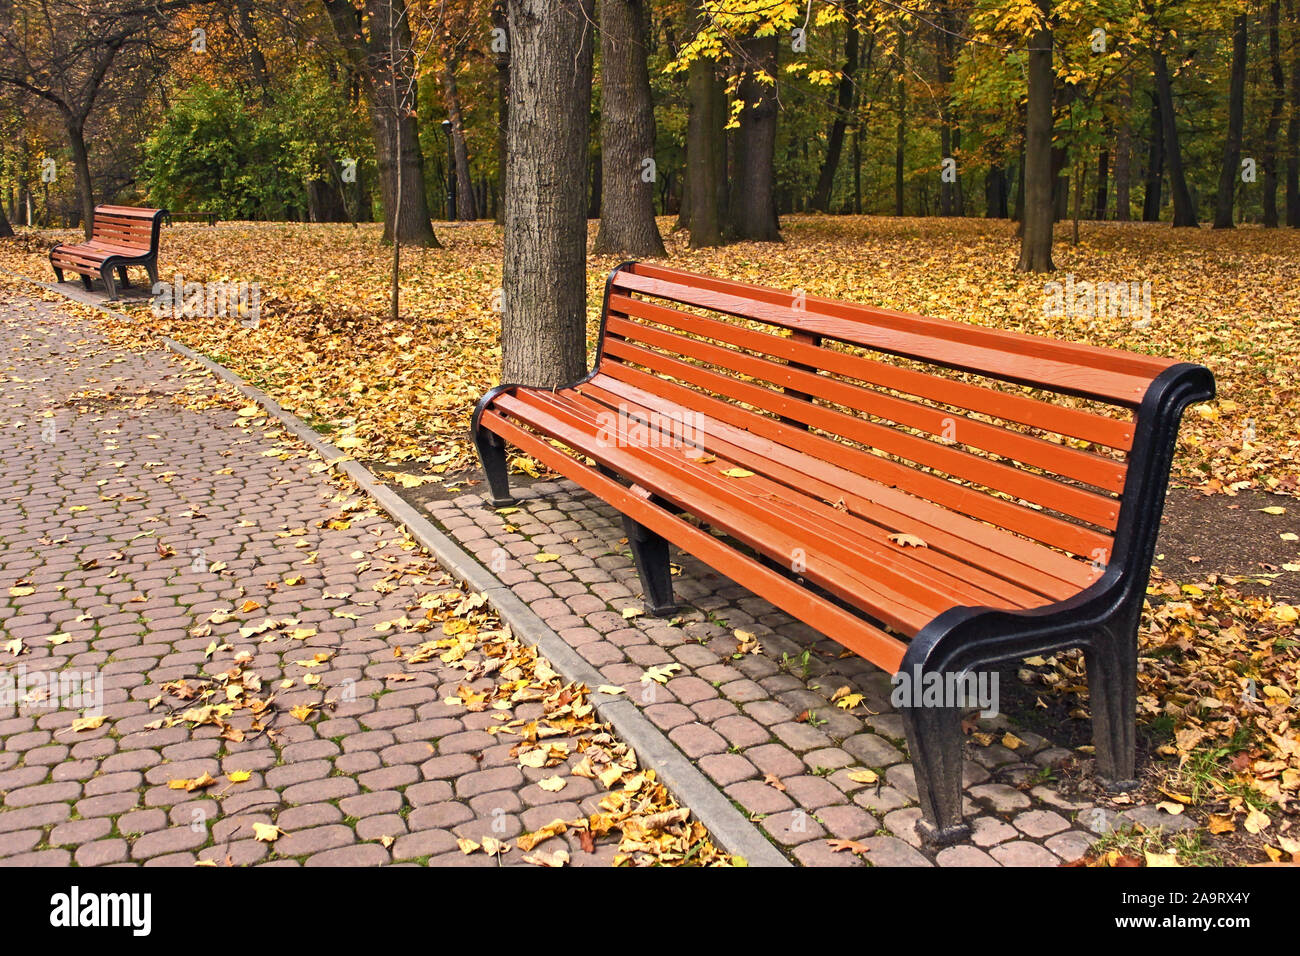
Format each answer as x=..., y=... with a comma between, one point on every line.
x=852, y=539
x=851, y=631
x=822, y=502
x=725, y=504
x=975, y=545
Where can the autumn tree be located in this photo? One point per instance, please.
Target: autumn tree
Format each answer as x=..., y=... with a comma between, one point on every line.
x=1231, y=167
x=64, y=53
x=1036, y=229
x=377, y=39
x=544, y=284
x=457, y=22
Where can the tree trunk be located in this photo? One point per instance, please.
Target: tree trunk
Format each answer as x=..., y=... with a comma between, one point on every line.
x=704, y=181
x=6, y=230
x=256, y=60
x=900, y=133
x=1124, y=152
x=81, y=169
x=1036, y=236
x=995, y=193
x=1103, y=185
x=378, y=45
x=949, y=137
x=1231, y=167
x=1293, y=127
x=501, y=53
x=1274, y=128
x=466, y=201
x=627, y=135
x=544, y=285
x=753, y=198
x=1155, y=164
x=821, y=199
x=596, y=164
x=1184, y=208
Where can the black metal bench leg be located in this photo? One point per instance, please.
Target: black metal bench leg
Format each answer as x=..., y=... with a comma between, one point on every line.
x=58, y=273
x=492, y=454
x=1112, y=695
x=123, y=281
x=152, y=269
x=934, y=742
x=86, y=283
x=109, y=284
x=650, y=552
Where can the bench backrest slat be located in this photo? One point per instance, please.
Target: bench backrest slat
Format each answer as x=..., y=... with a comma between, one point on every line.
x=1024, y=433
x=1107, y=374
x=127, y=226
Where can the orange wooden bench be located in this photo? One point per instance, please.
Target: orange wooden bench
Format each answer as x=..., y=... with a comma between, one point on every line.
x=935, y=496
x=121, y=236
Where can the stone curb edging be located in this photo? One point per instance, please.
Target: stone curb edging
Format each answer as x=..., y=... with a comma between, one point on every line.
x=726, y=824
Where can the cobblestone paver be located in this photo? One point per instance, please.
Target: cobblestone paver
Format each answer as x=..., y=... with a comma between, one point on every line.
x=138, y=501
x=763, y=726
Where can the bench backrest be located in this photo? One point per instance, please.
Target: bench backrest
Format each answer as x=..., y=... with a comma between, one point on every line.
x=130, y=227
x=1026, y=433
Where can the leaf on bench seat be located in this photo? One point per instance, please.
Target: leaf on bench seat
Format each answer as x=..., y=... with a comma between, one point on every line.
x=908, y=541
x=738, y=473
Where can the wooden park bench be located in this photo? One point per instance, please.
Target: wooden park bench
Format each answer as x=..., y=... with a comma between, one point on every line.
x=937, y=497
x=121, y=236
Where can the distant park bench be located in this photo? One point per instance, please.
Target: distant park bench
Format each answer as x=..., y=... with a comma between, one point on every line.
x=195, y=216
x=938, y=497
x=121, y=236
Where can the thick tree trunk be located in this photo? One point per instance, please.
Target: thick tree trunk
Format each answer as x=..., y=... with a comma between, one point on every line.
x=544, y=285
x=1184, y=208
x=627, y=135
x=1231, y=168
x=1036, y=236
x=753, y=197
x=1274, y=128
x=81, y=170
x=414, y=225
x=1151, y=200
x=1124, y=152
x=704, y=181
x=6, y=230
x=844, y=98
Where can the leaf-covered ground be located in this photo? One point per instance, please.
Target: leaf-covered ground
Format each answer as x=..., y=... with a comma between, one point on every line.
x=1220, y=667
x=326, y=349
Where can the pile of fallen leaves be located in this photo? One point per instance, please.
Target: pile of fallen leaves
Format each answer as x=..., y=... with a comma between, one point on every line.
x=1219, y=681
x=501, y=675
x=403, y=392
